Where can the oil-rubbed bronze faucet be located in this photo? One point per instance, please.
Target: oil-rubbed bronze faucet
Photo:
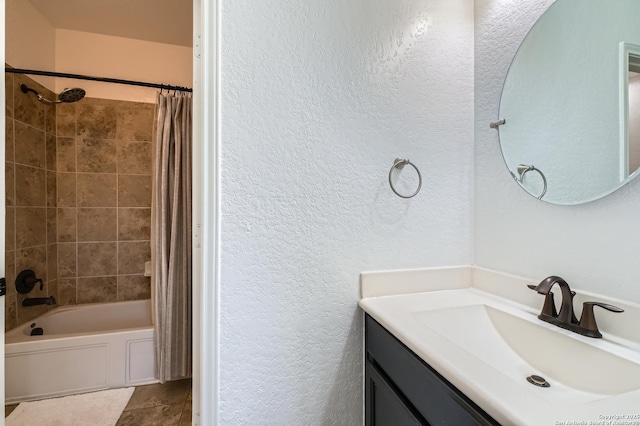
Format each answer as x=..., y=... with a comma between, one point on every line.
x=566, y=318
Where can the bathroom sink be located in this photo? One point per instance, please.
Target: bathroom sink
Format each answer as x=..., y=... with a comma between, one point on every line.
x=518, y=345
x=479, y=329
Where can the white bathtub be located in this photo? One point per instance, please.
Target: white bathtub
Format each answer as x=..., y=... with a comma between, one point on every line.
x=84, y=348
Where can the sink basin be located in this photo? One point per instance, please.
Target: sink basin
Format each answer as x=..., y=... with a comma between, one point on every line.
x=519, y=345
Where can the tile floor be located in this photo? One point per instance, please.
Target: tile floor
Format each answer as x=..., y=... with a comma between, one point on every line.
x=152, y=405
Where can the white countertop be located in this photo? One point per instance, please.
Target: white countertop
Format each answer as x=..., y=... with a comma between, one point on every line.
x=396, y=298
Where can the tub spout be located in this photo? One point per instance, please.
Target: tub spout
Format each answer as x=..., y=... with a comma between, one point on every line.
x=34, y=301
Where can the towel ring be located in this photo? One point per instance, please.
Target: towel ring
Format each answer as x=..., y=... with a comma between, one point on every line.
x=523, y=169
x=399, y=163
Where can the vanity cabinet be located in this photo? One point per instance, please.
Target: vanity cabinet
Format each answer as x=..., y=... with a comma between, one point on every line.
x=401, y=389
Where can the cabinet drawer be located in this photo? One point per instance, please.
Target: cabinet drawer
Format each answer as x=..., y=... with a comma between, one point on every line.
x=437, y=400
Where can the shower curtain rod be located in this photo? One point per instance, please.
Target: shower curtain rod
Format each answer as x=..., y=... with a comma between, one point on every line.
x=103, y=79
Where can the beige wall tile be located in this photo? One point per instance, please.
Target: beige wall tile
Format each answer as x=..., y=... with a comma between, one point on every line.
x=135, y=121
x=52, y=263
x=96, y=155
x=26, y=106
x=52, y=290
x=52, y=188
x=34, y=258
x=66, y=119
x=134, y=157
x=132, y=256
x=30, y=186
x=10, y=271
x=67, y=260
x=29, y=145
x=10, y=314
x=96, y=119
x=31, y=226
x=50, y=115
x=51, y=151
x=66, y=154
x=134, y=224
x=97, y=259
x=52, y=226
x=67, y=190
x=9, y=189
x=67, y=224
x=10, y=228
x=134, y=191
x=8, y=92
x=97, y=290
x=134, y=287
x=97, y=224
x=97, y=190
x=8, y=140
x=67, y=290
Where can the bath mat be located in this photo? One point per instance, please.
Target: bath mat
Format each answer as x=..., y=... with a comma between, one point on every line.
x=88, y=409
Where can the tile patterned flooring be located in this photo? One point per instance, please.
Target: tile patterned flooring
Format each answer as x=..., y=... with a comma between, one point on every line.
x=168, y=404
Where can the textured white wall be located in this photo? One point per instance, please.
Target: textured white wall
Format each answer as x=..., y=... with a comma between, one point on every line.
x=593, y=246
x=318, y=98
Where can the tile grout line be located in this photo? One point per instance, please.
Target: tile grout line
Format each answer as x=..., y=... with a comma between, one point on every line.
x=75, y=168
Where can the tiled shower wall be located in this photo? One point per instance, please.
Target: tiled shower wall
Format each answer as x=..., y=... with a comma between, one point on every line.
x=103, y=200
x=30, y=240
x=90, y=213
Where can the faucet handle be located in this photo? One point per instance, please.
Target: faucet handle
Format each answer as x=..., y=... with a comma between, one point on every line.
x=549, y=306
x=588, y=319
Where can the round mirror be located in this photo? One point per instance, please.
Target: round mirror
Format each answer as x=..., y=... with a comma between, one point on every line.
x=571, y=102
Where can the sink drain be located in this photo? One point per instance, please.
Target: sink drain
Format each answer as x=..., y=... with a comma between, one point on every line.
x=538, y=381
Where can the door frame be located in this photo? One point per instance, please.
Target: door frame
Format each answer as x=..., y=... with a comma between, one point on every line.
x=3, y=209
x=206, y=210
x=626, y=51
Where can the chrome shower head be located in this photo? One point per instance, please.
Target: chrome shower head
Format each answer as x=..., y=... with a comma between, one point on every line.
x=67, y=95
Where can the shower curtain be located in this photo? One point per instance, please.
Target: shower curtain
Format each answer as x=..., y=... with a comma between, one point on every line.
x=171, y=237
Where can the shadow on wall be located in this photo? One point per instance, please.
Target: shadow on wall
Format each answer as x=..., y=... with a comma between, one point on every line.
x=345, y=399
x=78, y=198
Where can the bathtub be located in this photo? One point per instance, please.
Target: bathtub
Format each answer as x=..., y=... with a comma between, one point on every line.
x=84, y=348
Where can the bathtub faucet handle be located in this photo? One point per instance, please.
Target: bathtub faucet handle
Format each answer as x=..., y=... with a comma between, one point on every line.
x=39, y=280
x=26, y=280
x=32, y=281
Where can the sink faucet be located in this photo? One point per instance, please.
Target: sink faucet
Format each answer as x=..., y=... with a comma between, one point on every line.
x=566, y=314
x=33, y=301
x=566, y=318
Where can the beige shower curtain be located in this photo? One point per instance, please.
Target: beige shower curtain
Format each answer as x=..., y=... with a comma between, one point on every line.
x=171, y=237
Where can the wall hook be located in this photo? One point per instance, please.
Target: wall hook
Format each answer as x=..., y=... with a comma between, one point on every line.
x=497, y=124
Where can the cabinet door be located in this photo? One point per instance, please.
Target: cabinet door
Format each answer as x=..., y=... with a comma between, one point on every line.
x=384, y=407
x=424, y=390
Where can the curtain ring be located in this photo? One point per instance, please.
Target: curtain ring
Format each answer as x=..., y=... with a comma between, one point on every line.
x=399, y=163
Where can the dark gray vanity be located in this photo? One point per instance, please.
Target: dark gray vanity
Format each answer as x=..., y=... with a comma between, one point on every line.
x=401, y=389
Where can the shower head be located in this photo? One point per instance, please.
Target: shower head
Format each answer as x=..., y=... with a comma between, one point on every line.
x=73, y=94
x=67, y=95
